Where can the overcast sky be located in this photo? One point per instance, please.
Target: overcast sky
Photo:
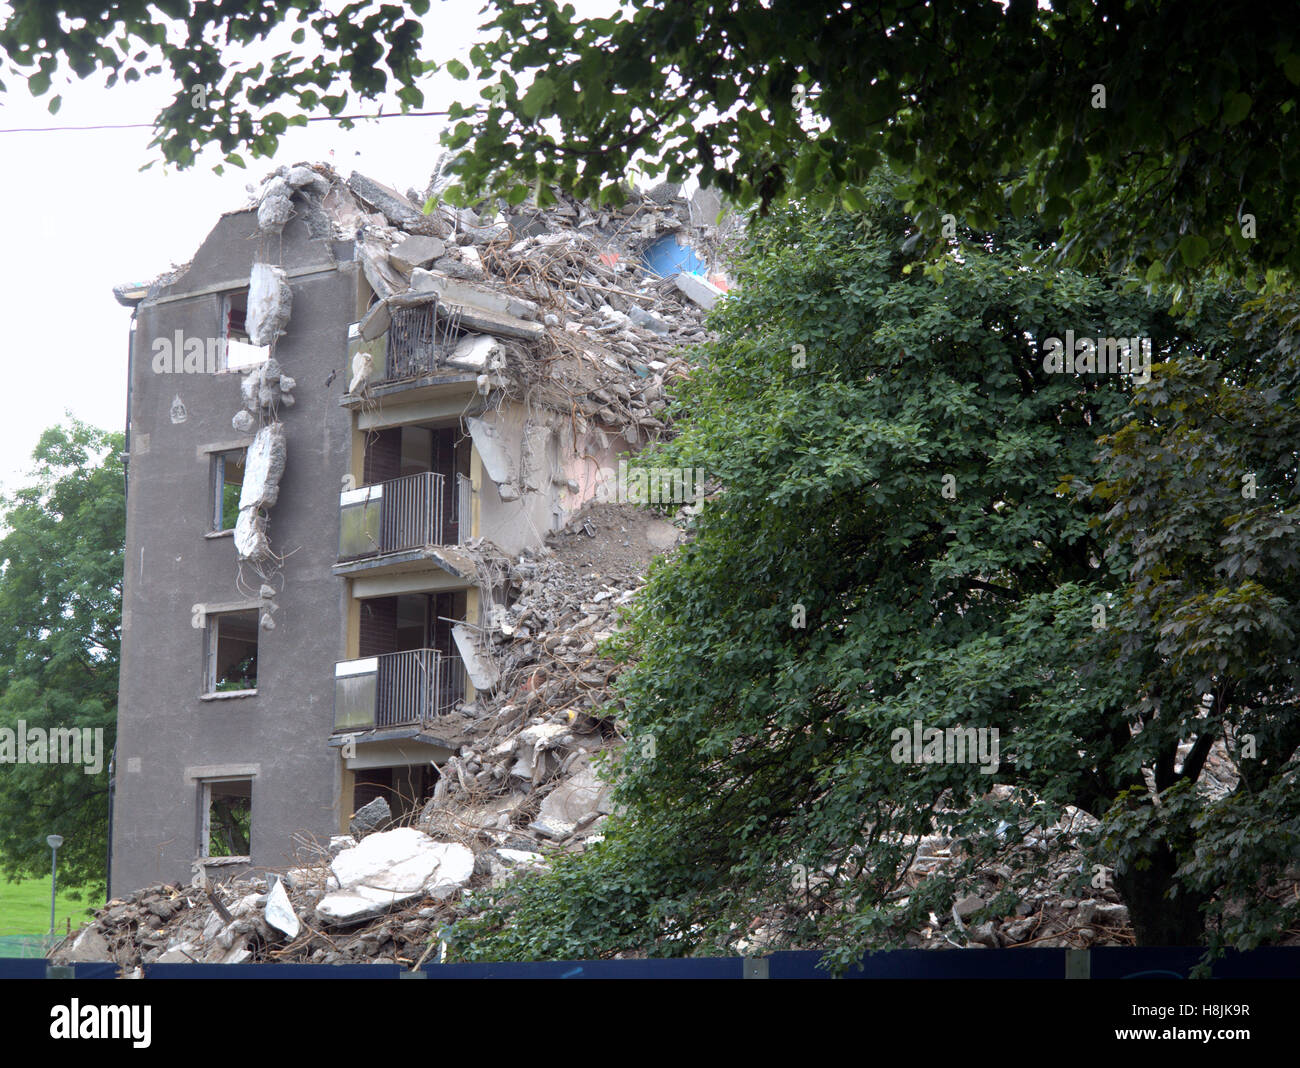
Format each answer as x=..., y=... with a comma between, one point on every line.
x=80, y=218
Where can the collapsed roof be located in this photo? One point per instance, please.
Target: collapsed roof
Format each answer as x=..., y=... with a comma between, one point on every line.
x=574, y=308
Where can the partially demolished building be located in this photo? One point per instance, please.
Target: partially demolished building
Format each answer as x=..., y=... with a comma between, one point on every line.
x=353, y=429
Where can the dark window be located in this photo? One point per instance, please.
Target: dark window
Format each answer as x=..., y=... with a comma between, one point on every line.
x=227, y=807
x=232, y=652
x=239, y=351
x=228, y=483
x=405, y=788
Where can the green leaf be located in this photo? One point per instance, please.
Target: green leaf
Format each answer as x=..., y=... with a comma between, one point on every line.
x=1236, y=106
x=538, y=97
x=1193, y=249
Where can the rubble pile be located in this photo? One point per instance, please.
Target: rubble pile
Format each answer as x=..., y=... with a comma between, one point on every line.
x=579, y=309
x=380, y=900
x=1040, y=917
x=525, y=773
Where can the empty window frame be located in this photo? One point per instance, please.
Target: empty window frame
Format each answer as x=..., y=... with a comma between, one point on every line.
x=227, y=484
x=226, y=818
x=231, y=652
x=240, y=353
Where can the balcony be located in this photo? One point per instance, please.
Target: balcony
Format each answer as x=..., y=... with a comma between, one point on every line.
x=410, y=356
x=401, y=524
x=420, y=339
x=407, y=689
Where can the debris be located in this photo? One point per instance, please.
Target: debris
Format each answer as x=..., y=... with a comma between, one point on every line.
x=275, y=207
x=370, y=817
x=389, y=868
x=704, y=293
x=308, y=180
x=578, y=800
x=482, y=671
x=251, y=542
x=472, y=295
x=263, y=468
x=399, y=211
x=279, y=912
x=264, y=388
x=478, y=352
x=416, y=251
x=270, y=301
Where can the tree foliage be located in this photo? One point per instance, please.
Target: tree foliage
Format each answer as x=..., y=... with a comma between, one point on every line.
x=1158, y=134
x=761, y=751
x=1201, y=479
x=61, y=603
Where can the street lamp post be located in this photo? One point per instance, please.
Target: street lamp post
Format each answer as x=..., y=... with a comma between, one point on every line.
x=53, y=841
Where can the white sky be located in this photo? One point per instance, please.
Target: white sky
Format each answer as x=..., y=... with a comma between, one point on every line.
x=80, y=217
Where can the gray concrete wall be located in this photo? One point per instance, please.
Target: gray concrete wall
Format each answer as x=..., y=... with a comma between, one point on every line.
x=164, y=729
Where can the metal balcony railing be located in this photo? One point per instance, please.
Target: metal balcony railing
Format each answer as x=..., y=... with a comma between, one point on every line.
x=464, y=510
x=404, y=513
x=420, y=339
x=410, y=688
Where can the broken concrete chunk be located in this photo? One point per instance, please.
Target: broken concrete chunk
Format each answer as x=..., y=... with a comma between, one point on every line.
x=697, y=289
x=340, y=842
x=275, y=205
x=251, y=542
x=520, y=857
x=470, y=257
x=270, y=301
x=493, y=447
x=392, y=867
x=482, y=670
x=307, y=180
x=279, y=912
x=370, y=817
x=376, y=323
x=377, y=272
x=396, y=208
x=263, y=467
x=264, y=387
x=455, y=269
x=490, y=322
x=478, y=352
x=471, y=294
x=243, y=422
x=416, y=251
x=90, y=945
x=505, y=864
x=581, y=798
x=237, y=954
x=643, y=318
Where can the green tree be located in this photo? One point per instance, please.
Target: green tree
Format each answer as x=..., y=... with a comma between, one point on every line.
x=61, y=603
x=1201, y=480
x=895, y=543
x=1158, y=133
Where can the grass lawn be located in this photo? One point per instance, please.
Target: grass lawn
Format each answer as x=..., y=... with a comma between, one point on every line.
x=25, y=908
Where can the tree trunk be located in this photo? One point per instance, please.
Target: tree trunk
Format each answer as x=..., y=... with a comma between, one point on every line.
x=1157, y=919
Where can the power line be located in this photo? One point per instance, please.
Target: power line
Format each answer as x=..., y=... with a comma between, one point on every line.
x=151, y=126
